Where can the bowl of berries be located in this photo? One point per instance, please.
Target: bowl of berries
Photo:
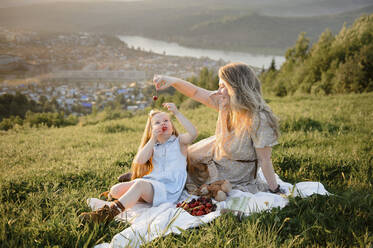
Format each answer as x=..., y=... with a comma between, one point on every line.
x=198, y=207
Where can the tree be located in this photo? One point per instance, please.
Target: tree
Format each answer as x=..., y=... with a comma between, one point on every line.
x=272, y=67
x=334, y=64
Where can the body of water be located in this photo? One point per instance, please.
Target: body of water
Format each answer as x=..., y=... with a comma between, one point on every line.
x=175, y=49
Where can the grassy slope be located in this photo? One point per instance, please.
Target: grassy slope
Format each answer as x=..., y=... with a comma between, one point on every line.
x=47, y=174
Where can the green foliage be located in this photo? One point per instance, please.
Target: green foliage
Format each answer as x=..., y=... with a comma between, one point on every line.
x=207, y=79
x=39, y=119
x=9, y=123
x=113, y=128
x=47, y=174
x=16, y=105
x=333, y=65
x=50, y=119
x=190, y=104
x=106, y=115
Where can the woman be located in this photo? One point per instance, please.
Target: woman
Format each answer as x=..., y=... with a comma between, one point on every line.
x=246, y=130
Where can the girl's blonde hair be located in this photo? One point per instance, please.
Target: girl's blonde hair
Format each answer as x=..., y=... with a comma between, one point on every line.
x=140, y=170
x=247, y=100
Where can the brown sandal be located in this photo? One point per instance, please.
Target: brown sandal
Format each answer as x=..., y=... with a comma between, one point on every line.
x=104, y=214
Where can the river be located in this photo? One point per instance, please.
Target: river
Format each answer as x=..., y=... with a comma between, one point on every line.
x=175, y=49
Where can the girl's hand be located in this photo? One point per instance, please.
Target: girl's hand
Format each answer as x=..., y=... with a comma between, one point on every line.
x=162, y=82
x=155, y=132
x=171, y=107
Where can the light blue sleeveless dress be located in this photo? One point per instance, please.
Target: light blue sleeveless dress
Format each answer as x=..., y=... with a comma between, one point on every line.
x=169, y=173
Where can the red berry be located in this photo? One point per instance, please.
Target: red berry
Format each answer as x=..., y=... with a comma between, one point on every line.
x=208, y=205
x=155, y=98
x=199, y=213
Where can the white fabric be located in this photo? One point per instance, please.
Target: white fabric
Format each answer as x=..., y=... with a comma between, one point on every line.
x=148, y=223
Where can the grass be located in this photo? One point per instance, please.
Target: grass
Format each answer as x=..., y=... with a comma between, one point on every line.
x=46, y=175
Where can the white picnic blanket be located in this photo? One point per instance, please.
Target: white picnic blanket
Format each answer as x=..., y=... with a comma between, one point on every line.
x=148, y=223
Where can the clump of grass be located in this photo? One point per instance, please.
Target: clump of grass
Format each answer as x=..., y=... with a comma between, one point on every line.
x=125, y=160
x=113, y=128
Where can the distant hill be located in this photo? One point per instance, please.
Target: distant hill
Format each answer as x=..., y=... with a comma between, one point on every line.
x=236, y=26
x=266, y=33
x=303, y=8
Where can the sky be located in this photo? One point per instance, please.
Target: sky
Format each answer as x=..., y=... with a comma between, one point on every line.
x=15, y=3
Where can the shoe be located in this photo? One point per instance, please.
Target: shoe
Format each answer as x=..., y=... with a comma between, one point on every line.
x=102, y=215
x=126, y=177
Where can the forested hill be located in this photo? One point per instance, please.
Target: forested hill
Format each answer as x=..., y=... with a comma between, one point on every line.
x=334, y=65
x=235, y=26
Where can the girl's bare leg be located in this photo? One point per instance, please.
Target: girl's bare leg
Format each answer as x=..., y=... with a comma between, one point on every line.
x=134, y=191
x=120, y=189
x=138, y=190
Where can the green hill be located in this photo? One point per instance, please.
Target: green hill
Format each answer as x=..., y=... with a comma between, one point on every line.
x=46, y=175
x=334, y=64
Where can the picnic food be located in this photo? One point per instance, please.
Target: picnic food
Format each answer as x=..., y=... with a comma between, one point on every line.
x=218, y=190
x=198, y=207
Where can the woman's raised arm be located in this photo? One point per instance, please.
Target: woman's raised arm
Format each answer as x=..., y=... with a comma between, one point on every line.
x=186, y=88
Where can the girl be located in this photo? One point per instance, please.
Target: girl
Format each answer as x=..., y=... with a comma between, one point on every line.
x=158, y=169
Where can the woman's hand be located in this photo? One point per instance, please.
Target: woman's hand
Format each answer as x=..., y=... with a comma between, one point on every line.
x=162, y=82
x=222, y=98
x=171, y=107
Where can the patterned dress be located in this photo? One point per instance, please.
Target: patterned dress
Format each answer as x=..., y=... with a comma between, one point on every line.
x=169, y=174
x=235, y=160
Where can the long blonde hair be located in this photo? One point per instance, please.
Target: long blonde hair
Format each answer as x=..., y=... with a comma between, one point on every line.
x=247, y=100
x=140, y=170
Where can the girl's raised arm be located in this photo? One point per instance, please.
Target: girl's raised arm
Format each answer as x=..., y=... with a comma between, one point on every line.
x=145, y=153
x=191, y=134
